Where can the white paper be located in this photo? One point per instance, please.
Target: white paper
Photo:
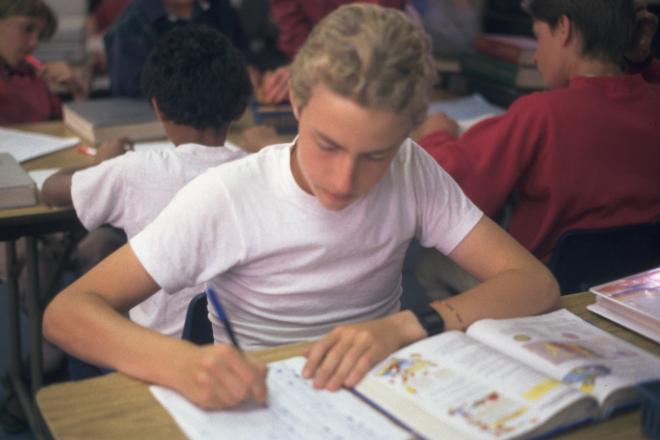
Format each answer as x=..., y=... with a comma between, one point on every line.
x=25, y=145
x=295, y=411
x=466, y=111
x=40, y=176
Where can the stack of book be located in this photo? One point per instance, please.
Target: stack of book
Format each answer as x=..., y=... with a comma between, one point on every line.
x=633, y=302
x=101, y=119
x=17, y=189
x=502, y=65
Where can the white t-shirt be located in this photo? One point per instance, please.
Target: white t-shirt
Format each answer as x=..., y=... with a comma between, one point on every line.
x=287, y=269
x=128, y=192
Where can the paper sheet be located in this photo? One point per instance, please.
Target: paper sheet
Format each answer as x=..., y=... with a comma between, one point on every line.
x=295, y=411
x=466, y=111
x=40, y=176
x=24, y=145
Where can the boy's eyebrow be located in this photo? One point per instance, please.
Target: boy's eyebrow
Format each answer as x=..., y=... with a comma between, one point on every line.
x=334, y=144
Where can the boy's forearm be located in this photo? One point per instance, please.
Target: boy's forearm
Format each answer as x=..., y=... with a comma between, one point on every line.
x=57, y=188
x=76, y=321
x=517, y=292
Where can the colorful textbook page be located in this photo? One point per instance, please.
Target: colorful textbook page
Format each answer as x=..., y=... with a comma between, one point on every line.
x=504, y=379
x=566, y=348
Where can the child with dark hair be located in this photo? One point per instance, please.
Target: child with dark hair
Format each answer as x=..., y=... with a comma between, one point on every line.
x=135, y=33
x=582, y=155
x=24, y=93
x=198, y=84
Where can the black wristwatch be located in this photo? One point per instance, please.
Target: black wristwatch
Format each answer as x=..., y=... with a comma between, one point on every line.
x=430, y=319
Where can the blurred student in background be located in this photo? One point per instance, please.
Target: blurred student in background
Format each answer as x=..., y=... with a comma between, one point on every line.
x=137, y=31
x=582, y=155
x=24, y=93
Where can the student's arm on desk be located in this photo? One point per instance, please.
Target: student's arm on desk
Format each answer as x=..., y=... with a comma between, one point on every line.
x=514, y=283
x=57, y=188
x=89, y=311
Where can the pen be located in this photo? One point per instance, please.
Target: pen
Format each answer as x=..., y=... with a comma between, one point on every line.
x=215, y=301
x=32, y=60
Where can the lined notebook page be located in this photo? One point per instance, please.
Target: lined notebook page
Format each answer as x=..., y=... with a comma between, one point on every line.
x=295, y=411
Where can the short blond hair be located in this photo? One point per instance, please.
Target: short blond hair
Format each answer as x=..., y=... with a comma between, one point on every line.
x=371, y=54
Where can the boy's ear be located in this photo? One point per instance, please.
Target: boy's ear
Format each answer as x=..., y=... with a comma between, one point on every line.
x=159, y=114
x=565, y=29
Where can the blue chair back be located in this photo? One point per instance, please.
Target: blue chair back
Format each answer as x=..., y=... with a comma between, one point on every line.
x=584, y=258
x=197, y=328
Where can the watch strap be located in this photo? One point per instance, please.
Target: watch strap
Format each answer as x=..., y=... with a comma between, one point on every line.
x=429, y=318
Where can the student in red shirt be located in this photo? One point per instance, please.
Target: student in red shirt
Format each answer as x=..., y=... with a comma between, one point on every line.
x=581, y=155
x=24, y=93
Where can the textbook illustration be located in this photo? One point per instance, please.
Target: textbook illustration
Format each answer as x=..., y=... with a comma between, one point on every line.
x=502, y=379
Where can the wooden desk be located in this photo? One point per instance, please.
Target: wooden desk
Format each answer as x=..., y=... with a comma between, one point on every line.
x=28, y=223
x=118, y=407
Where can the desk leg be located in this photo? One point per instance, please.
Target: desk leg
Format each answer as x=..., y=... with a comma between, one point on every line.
x=34, y=313
x=14, y=333
x=25, y=397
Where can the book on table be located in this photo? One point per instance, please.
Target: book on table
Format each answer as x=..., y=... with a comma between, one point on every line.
x=632, y=301
x=501, y=379
x=17, y=189
x=491, y=68
x=466, y=111
x=101, y=119
x=515, y=49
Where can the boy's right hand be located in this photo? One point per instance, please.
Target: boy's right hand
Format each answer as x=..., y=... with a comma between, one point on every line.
x=219, y=376
x=113, y=148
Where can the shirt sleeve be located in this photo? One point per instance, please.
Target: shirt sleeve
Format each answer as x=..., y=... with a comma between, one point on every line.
x=446, y=215
x=195, y=238
x=98, y=192
x=489, y=158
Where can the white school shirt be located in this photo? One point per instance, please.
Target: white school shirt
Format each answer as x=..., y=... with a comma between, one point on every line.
x=128, y=192
x=286, y=268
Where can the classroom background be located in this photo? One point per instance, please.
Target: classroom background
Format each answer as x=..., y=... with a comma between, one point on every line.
x=79, y=42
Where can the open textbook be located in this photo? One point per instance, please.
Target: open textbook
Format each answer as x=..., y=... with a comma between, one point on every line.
x=466, y=111
x=502, y=379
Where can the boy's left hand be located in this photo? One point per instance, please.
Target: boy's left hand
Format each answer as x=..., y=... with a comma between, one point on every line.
x=345, y=355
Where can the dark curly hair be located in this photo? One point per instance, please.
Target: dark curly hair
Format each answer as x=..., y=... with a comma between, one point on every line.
x=197, y=77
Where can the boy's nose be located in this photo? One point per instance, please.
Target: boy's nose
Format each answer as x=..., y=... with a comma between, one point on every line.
x=345, y=176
